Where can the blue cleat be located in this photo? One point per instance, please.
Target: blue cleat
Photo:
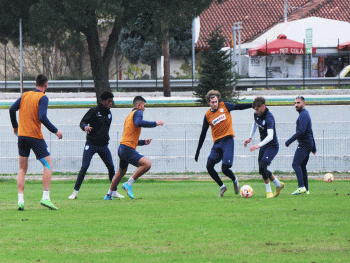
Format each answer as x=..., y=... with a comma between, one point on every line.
x=108, y=197
x=128, y=190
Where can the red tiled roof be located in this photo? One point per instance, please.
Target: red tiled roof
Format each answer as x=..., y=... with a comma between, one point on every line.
x=259, y=16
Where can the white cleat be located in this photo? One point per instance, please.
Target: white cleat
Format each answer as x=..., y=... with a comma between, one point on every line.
x=73, y=196
x=116, y=194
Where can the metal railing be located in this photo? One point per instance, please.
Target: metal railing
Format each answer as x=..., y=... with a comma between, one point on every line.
x=181, y=83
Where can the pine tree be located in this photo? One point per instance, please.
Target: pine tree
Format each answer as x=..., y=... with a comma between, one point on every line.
x=216, y=70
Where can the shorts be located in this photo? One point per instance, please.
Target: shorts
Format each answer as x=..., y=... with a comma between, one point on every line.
x=128, y=155
x=222, y=150
x=39, y=147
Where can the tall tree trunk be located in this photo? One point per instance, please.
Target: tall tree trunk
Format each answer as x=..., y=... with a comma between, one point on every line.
x=165, y=54
x=100, y=64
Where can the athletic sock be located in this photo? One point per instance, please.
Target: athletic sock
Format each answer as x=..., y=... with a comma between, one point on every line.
x=277, y=182
x=46, y=195
x=75, y=192
x=110, y=192
x=130, y=181
x=268, y=188
x=222, y=186
x=20, y=198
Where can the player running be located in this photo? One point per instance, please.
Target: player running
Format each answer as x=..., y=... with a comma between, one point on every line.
x=127, y=149
x=268, y=144
x=218, y=117
x=96, y=123
x=32, y=106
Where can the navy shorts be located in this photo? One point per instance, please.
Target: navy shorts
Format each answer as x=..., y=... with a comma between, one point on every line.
x=222, y=150
x=128, y=155
x=39, y=147
x=267, y=154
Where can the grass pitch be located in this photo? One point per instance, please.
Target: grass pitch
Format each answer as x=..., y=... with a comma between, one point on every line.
x=176, y=221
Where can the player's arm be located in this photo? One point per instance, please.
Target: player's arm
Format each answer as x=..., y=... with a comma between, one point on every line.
x=140, y=122
x=43, y=103
x=252, y=131
x=13, y=109
x=205, y=128
x=231, y=107
x=144, y=142
x=86, y=120
x=301, y=128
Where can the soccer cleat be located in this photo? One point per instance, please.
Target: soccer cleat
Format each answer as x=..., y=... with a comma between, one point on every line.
x=269, y=195
x=128, y=190
x=20, y=206
x=108, y=197
x=116, y=194
x=236, y=186
x=307, y=192
x=48, y=204
x=299, y=191
x=73, y=196
x=278, y=190
x=222, y=191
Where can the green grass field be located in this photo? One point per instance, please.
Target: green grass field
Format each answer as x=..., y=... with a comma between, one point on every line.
x=176, y=221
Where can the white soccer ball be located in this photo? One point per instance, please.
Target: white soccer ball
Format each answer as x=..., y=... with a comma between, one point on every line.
x=246, y=191
x=328, y=177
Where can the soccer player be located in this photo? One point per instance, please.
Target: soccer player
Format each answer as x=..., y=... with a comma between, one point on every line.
x=96, y=123
x=268, y=144
x=32, y=106
x=306, y=145
x=218, y=117
x=127, y=148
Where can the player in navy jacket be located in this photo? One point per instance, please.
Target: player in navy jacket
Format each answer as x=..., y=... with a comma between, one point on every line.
x=306, y=144
x=268, y=145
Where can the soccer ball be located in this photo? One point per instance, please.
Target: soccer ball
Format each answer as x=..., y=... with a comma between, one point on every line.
x=328, y=177
x=246, y=191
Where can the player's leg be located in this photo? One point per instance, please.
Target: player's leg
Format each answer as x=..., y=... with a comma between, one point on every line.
x=23, y=152
x=23, y=167
x=305, y=175
x=266, y=174
x=227, y=161
x=215, y=156
x=299, y=156
x=106, y=157
x=47, y=174
x=88, y=153
x=112, y=192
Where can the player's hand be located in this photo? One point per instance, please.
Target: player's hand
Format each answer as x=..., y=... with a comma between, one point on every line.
x=160, y=123
x=88, y=129
x=148, y=141
x=15, y=131
x=247, y=141
x=254, y=147
x=59, y=134
x=196, y=157
x=314, y=153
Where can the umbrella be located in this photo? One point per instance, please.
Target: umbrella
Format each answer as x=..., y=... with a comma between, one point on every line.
x=281, y=45
x=344, y=46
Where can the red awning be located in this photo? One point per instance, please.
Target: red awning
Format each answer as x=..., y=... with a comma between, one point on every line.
x=344, y=46
x=281, y=45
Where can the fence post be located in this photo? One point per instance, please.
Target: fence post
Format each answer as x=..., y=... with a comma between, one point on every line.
x=185, y=153
x=323, y=151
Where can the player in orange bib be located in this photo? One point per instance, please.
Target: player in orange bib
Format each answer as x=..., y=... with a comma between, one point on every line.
x=219, y=118
x=32, y=108
x=127, y=149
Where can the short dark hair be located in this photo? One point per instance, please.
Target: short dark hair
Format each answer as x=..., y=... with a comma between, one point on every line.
x=41, y=79
x=300, y=98
x=258, y=102
x=137, y=100
x=106, y=95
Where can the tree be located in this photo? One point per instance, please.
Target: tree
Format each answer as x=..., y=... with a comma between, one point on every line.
x=140, y=41
x=216, y=70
